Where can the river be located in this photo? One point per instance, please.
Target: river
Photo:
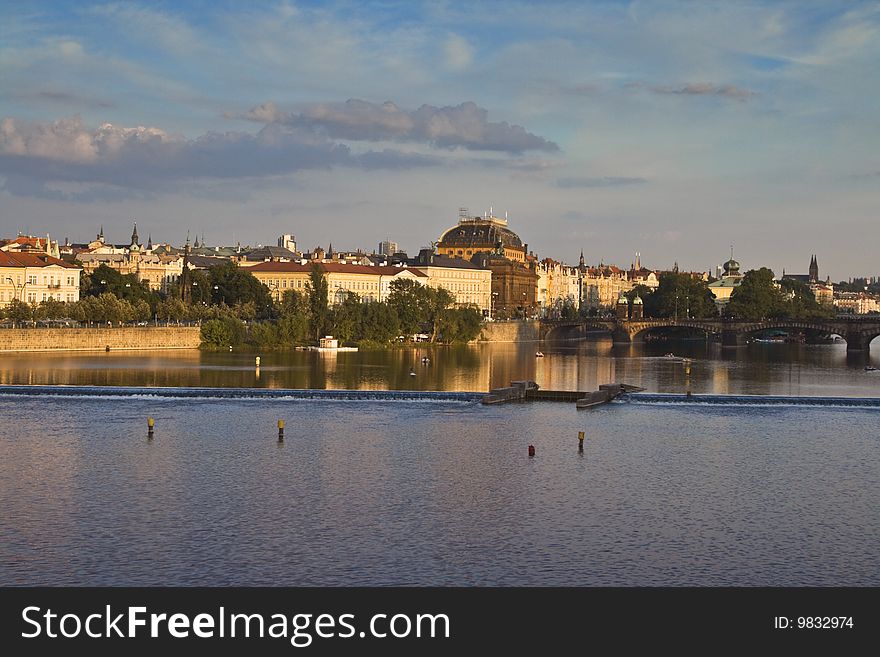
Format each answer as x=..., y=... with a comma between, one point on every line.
x=436, y=489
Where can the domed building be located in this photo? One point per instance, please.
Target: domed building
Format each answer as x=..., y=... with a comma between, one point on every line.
x=489, y=243
x=727, y=283
x=486, y=234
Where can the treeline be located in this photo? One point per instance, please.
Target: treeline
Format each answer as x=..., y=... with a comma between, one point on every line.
x=235, y=308
x=759, y=296
x=302, y=318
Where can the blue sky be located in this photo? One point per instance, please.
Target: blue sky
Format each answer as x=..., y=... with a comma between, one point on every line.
x=672, y=129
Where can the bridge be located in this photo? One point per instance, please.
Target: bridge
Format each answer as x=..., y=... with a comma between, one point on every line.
x=857, y=331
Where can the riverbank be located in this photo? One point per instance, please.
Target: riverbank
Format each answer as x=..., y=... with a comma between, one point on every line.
x=99, y=339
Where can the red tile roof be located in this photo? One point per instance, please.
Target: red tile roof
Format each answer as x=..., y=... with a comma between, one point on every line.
x=18, y=259
x=332, y=268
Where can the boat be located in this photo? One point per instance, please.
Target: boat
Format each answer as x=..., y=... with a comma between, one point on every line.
x=412, y=372
x=425, y=360
x=538, y=354
x=870, y=368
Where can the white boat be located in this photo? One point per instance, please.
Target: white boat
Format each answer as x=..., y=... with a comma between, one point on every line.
x=538, y=354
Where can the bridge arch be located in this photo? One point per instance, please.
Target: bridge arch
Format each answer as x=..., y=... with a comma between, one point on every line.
x=638, y=333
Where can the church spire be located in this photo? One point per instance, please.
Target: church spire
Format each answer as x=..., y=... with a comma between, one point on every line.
x=150, y=241
x=134, y=234
x=581, y=261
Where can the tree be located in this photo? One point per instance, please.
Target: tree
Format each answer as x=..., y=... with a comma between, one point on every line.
x=459, y=324
x=757, y=297
x=123, y=286
x=679, y=296
x=439, y=300
x=799, y=302
x=235, y=286
x=317, y=295
x=345, y=318
x=379, y=323
x=19, y=311
x=410, y=301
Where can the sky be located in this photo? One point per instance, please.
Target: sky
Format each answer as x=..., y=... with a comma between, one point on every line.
x=672, y=129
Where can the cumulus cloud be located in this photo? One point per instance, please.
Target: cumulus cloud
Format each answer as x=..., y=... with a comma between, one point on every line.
x=706, y=89
x=33, y=156
x=607, y=181
x=466, y=125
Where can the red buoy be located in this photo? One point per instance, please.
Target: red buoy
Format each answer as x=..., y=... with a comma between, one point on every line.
x=531, y=450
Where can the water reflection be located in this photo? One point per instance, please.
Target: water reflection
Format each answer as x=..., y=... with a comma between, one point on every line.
x=779, y=369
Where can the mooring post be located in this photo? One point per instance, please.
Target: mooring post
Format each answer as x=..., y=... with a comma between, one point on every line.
x=580, y=441
x=151, y=423
x=280, y=431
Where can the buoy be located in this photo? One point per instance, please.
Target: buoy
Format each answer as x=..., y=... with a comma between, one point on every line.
x=257, y=361
x=580, y=441
x=150, y=424
x=531, y=450
x=280, y=431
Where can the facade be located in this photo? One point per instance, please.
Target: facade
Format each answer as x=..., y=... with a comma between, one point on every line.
x=514, y=286
x=369, y=283
x=857, y=303
x=558, y=284
x=602, y=286
x=388, y=248
x=731, y=279
x=470, y=284
x=34, y=278
x=288, y=242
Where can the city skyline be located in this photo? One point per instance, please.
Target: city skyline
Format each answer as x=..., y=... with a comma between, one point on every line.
x=673, y=130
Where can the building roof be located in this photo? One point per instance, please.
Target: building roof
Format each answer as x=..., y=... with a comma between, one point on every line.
x=444, y=261
x=480, y=232
x=333, y=268
x=268, y=252
x=24, y=259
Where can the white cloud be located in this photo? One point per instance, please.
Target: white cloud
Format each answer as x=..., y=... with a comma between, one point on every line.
x=458, y=52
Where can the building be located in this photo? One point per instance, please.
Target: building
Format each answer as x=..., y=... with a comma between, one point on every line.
x=388, y=248
x=558, y=285
x=487, y=234
x=287, y=242
x=857, y=303
x=824, y=292
x=639, y=275
x=602, y=286
x=370, y=283
x=36, y=277
x=470, y=284
x=730, y=279
x=31, y=244
x=158, y=271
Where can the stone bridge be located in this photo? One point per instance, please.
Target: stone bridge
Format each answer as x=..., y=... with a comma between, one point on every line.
x=857, y=331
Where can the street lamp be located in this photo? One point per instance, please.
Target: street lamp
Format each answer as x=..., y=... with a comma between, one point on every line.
x=492, y=304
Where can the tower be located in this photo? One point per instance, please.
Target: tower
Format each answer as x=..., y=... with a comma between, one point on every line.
x=581, y=260
x=814, y=270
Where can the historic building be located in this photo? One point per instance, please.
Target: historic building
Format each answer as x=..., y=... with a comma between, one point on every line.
x=490, y=244
x=558, y=285
x=823, y=291
x=470, y=284
x=370, y=283
x=36, y=277
x=601, y=286
x=158, y=271
x=730, y=279
x=487, y=234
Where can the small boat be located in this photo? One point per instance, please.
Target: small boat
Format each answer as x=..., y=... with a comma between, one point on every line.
x=412, y=372
x=425, y=360
x=538, y=354
x=869, y=368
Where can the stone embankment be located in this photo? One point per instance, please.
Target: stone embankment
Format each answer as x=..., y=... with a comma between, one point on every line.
x=99, y=339
x=513, y=331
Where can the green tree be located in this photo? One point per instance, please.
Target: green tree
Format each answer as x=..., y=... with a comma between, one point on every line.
x=19, y=311
x=411, y=302
x=459, y=324
x=757, y=297
x=799, y=302
x=230, y=284
x=379, y=323
x=678, y=295
x=123, y=286
x=317, y=291
x=345, y=317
